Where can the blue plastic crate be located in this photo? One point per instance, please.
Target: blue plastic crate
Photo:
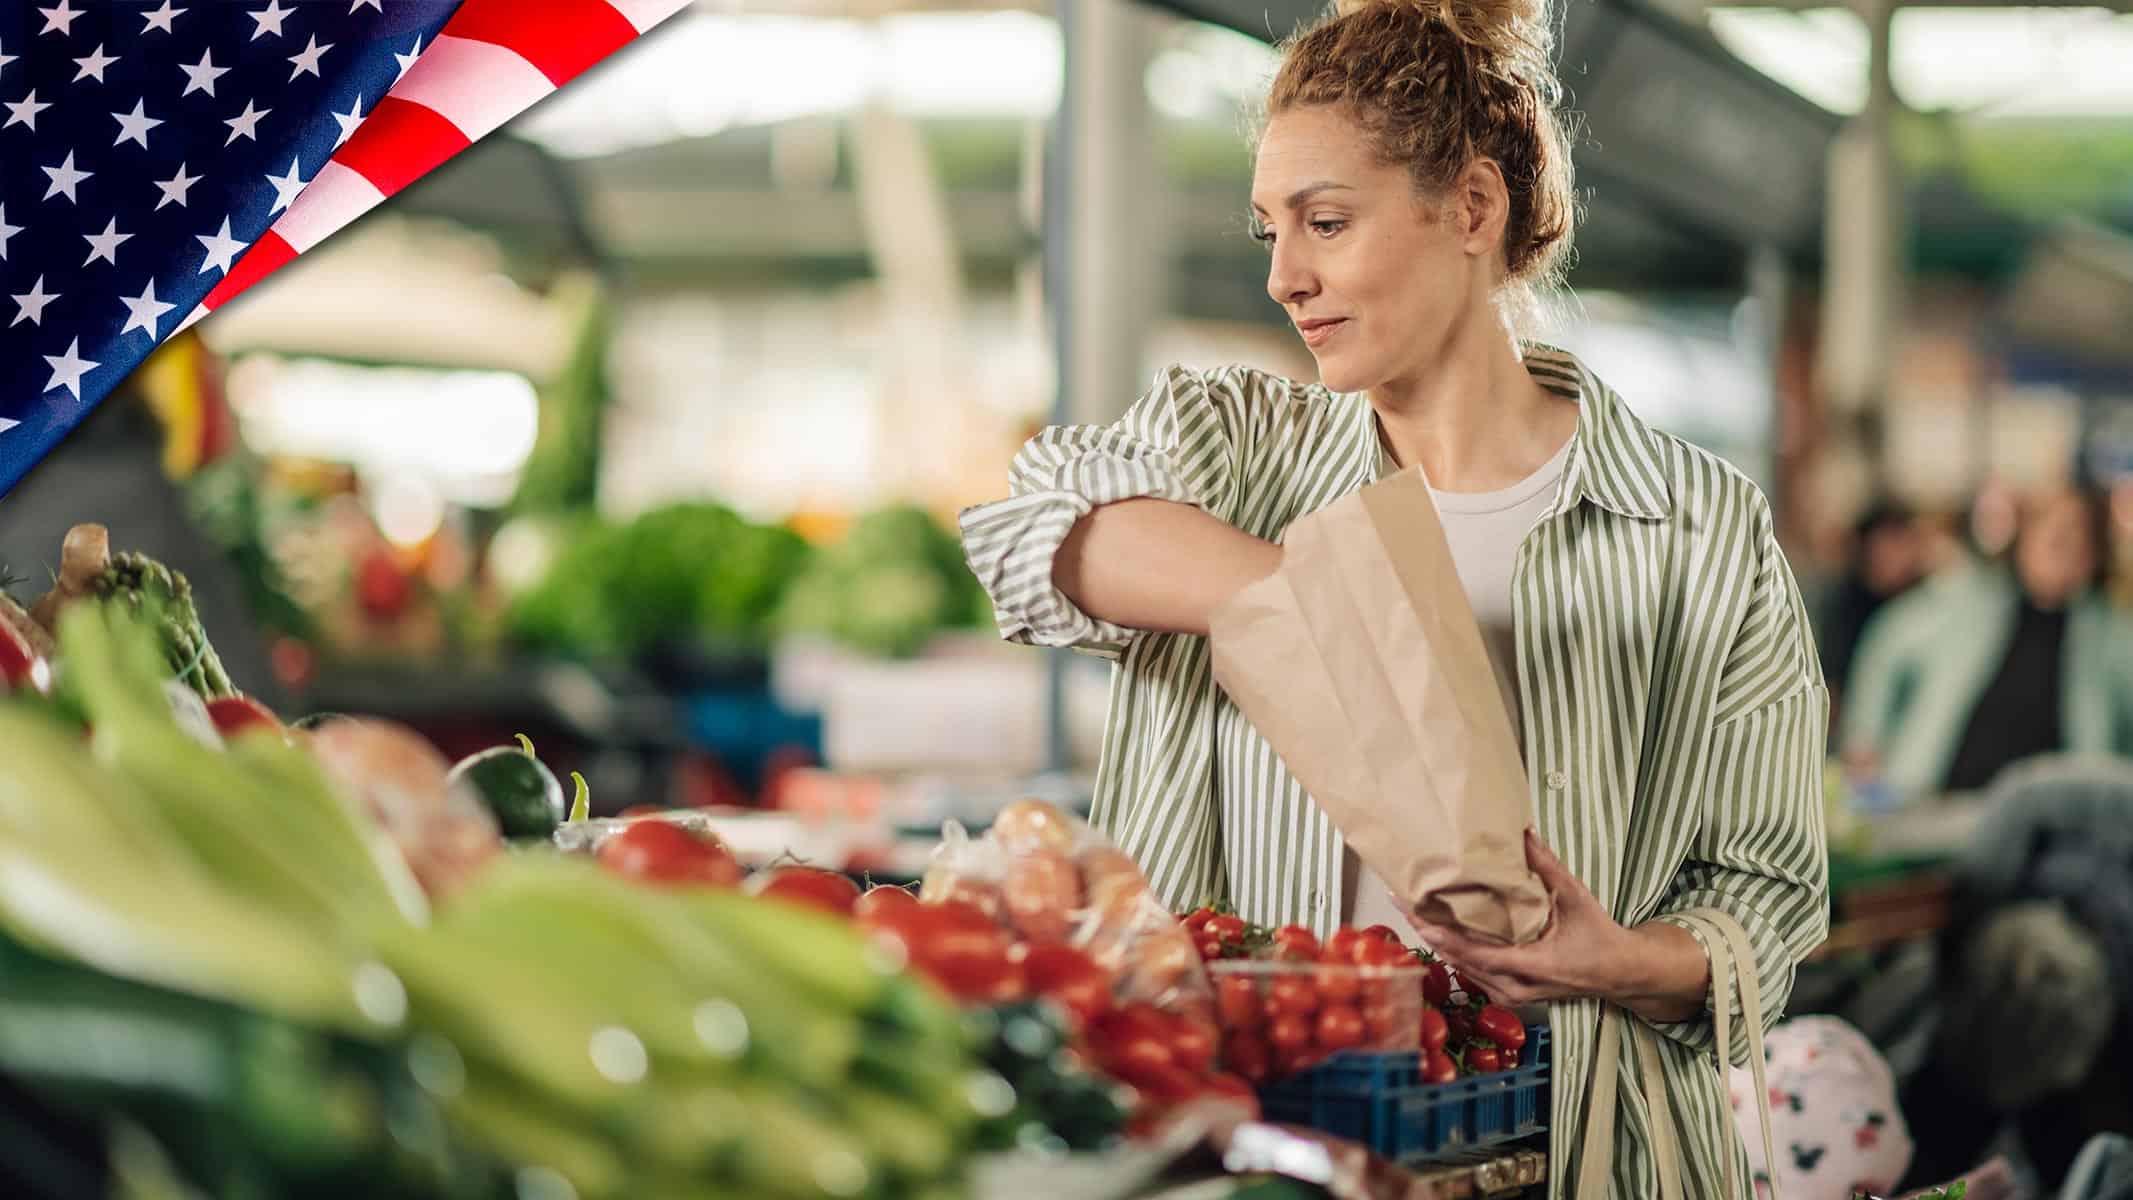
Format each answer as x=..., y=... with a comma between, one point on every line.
x=1380, y=1101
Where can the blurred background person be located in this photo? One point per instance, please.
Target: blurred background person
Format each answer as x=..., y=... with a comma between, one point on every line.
x=1886, y=557
x=1999, y=662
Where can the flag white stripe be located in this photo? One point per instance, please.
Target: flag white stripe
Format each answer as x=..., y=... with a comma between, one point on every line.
x=337, y=196
x=477, y=86
x=646, y=13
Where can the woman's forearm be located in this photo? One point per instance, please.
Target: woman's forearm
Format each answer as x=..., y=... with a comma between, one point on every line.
x=1158, y=565
x=1667, y=977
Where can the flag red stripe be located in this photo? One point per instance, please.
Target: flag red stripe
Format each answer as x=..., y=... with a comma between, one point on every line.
x=267, y=255
x=559, y=37
x=398, y=143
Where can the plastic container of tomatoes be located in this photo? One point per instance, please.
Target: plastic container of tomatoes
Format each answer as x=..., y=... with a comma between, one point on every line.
x=1380, y=1101
x=1279, y=1018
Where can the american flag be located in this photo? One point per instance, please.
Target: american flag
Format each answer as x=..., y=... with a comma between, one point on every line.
x=157, y=159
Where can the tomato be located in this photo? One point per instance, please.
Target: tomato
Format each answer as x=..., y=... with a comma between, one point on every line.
x=663, y=852
x=1483, y=1059
x=1384, y=933
x=1210, y=948
x=1338, y=983
x=954, y=944
x=1294, y=943
x=1437, y=984
x=21, y=667
x=1227, y=928
x=882, y=898
x=1234, y=1090
x=1070, y=979
x=1237, y=1000
x=1135, y=1055
x=1128, y=1022
x=1288, y=1033
x=1459, y=1021
x=1163, y=1085
x=1197, y=920
x=810, y=886
x=1340, y=948
x=1340, y=1027
x=1435, y=1032
x=1501, y=1026
x=1192, y=1045
x=1438, y=1067
x=1376, y=952
x=382, y=589
x=1248, y=1055
x=1510, y=1059
x=1385, y=1024
x=1291, y=995
x=232, y=714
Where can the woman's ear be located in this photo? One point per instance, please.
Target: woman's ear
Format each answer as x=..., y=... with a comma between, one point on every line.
x=1483, y=204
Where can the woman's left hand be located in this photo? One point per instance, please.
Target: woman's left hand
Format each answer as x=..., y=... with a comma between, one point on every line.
x=1581, y=952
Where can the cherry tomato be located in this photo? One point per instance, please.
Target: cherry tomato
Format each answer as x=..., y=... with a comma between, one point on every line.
x=955, y=944
x=233, y=714
x=1510, y=1059
x=1134, y=1056
x=1070, y=979
x=882, y=898
x=1192, y=1045
x=1483, y=1059
x=1128, y=1022
x=1294, y=943
x=1384, y=933
x=1248, y=1055
x=1501, y=1026
x=1437, y=984
x=1438, y=1067
x=1161, y=1085
x=830, y=891
x=1197, y=920
x=1377, y=952
x=1385, y=1023
x=1237, y=1000
x=1340, y=948
x=1234, y=1090
x=1288, y=1033
x=1210, y=948
x=1435, y=1032
x=665, y=853
x=1291, y=995
x=1338, y=983
x=1340, y=1027
x=1227, y=928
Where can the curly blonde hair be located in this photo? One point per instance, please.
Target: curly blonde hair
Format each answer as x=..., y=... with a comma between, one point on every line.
x=1438, y=84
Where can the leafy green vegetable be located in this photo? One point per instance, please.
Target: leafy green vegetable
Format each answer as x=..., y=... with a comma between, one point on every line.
x=895, y=579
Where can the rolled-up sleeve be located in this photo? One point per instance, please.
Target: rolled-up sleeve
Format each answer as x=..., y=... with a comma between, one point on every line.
x=1761, y=854
x=1178, y=442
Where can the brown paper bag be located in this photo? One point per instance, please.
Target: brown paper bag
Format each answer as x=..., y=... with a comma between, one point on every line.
x=1361, y=663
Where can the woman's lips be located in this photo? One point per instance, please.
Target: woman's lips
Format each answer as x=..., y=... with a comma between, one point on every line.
x=1315, y=333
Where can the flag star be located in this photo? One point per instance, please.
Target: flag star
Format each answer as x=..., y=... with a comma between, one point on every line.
x=307, y=60
x=59, y=17
x=8, y=58
x=285, y=187
x=93, y=64
x=273, y=14
x=68, y=368
x=246, y=123
x=175, y=187
x=29, y=305
x=134, y=126
x=105, y=245
x=65, y=178
x=162, y=17
x=7, y=231
x=349, y=120
x=143, y=311
x=24, y=111
x=408, y=59
x=222, y=249
x=201, y=76
x=357, y=5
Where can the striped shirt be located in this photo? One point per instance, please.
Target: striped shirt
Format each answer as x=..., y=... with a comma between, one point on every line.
x=1672, y=706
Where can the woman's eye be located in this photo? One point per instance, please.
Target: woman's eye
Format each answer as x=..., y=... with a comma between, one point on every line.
x=1328, y=227
x=1263, y=236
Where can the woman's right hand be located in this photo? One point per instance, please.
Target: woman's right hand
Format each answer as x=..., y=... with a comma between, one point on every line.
x=1158, y=565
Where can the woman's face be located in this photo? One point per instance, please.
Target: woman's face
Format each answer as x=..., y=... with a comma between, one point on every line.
x=1375, y=278
x=2056, y=553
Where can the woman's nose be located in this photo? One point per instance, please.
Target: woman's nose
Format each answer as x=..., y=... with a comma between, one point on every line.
x=1288, y=278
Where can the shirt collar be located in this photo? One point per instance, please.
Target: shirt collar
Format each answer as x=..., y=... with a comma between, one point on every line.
x=1616, y=461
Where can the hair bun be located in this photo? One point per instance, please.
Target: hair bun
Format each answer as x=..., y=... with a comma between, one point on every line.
x=1512, y=35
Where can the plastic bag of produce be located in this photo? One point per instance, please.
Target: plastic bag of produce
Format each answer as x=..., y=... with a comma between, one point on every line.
x=1360, y=661
x=397, y=777
x=1055, y=881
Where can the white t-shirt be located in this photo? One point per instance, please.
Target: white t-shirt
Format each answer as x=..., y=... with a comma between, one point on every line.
x=1484, y=531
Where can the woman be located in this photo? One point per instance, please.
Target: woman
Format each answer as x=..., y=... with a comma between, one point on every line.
x=1411, y=184
x=1996, y=664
